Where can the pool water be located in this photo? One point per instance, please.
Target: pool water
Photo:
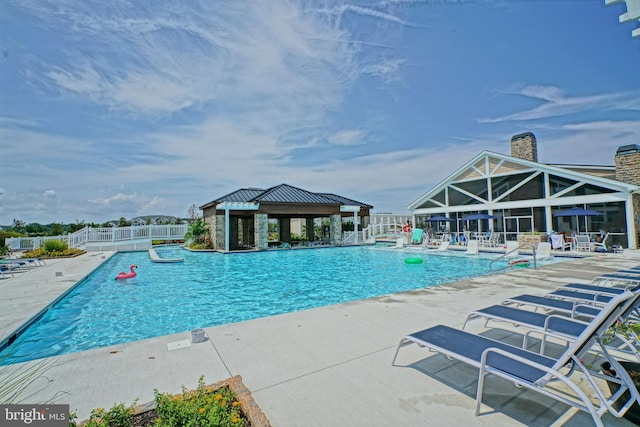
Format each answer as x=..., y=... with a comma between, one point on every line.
x=210, y=289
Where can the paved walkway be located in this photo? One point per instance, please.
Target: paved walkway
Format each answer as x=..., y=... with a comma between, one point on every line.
x=322, y=367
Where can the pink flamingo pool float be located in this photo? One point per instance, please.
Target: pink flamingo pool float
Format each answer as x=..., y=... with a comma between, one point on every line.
x=131, y=274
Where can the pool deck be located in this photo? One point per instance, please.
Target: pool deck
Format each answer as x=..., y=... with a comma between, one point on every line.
x=327, y=366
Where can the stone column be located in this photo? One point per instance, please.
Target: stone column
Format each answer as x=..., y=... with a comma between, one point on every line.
x=261, y=232
x=218, y=234
x=335, y=229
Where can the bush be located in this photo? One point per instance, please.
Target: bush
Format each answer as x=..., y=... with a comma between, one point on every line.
x=55, y=246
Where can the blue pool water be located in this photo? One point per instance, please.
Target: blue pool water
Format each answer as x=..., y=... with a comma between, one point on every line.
x=213, y=289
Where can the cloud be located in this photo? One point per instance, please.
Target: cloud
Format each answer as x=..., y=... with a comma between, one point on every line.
x=348, y=137
x=556, y=103
x=49, y=193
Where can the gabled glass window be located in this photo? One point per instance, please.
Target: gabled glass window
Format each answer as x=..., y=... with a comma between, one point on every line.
x=533, y=189
x=457, y=198
x=439, y=197
x=477, y=187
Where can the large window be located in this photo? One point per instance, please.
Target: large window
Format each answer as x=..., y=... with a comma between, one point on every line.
x=533, y=189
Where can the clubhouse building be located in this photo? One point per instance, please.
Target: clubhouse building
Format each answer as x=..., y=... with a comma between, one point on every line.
x=520, y=195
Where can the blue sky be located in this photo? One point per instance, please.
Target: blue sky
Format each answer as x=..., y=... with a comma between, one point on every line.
x=127, y=108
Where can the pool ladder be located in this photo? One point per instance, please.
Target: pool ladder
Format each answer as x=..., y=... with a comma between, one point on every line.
x=521, y=246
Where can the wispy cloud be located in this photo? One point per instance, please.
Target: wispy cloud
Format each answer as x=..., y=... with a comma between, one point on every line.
x=555, y=103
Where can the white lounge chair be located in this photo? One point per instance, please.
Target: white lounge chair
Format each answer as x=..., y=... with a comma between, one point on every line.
x=512, y=249
x=472, y=247
x=399, y=243
x=443, y=246
x=535, y=371
x=543, y=251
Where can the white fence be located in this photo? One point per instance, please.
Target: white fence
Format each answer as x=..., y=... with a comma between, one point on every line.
x=104, y=235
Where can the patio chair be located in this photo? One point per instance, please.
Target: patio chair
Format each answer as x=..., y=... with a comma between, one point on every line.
x=5, y=270
x=472, y=247
x=543, y=251
x=600, y=245
x=554, y=325
x=399, y=243
x=494, y=239
x=443, y=246
x=617, y=278
x=511, y=250
x=583, y=243
x=534, y=370
x=416, y=238
x=571, y=308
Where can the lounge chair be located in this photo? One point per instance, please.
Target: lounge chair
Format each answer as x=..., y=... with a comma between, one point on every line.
x=511, y=250
x=5, y=270
x=416, y=238
x=399, y=243
x=543, y=251
x=443, y=246
x=616, y=278
x=572, y=308
x=610, y=290
x=555, y=325
x=533, y=370
x=472, y=247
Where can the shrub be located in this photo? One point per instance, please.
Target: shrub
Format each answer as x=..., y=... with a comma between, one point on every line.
x=55, y=246
x=201, y=407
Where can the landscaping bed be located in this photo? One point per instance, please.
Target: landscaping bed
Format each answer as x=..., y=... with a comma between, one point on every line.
x=226, y=403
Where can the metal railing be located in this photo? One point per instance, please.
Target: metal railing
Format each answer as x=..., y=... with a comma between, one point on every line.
x=103, y=235
x=520, y=246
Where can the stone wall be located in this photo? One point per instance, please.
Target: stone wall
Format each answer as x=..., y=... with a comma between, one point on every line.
x=217, y=232
x=335, y=230
x=628, y=168
x=261, y=231
x=627, y=161
x=524, y=146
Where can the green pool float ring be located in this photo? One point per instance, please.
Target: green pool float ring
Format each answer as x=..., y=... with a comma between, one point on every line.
x=413, y=260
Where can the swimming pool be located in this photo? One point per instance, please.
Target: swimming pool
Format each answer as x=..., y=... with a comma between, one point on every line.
x=210, y=289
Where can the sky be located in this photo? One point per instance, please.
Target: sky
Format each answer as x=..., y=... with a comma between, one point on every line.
x=122, y=108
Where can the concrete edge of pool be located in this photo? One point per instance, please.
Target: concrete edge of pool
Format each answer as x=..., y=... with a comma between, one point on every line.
x=324, y=366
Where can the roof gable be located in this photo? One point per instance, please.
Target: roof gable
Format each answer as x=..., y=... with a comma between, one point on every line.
x=488, y=165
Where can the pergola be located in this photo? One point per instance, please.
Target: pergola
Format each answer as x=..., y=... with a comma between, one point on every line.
x=240, y=220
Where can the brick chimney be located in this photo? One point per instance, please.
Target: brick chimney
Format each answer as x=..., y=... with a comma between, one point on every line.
x=524, y=146
x=627, y=160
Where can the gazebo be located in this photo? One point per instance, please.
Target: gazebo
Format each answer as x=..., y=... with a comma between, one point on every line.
x=241, y=219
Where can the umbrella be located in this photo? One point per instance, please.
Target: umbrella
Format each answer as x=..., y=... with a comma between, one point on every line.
x=440, y=218
x=477, y=216
x=578, y=212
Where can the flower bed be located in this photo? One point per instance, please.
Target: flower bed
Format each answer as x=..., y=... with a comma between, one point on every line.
x=226, y=403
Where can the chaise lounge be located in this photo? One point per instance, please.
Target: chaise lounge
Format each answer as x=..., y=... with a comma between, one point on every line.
x=534, y=370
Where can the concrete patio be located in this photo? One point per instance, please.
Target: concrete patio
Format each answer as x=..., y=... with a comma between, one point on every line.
x=322, y=367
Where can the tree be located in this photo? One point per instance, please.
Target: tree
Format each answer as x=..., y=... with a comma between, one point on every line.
x=194, y=212
x=18, y=226
x=34, y=228
x=79, y=225
x=56, y=229
x=123, y=222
